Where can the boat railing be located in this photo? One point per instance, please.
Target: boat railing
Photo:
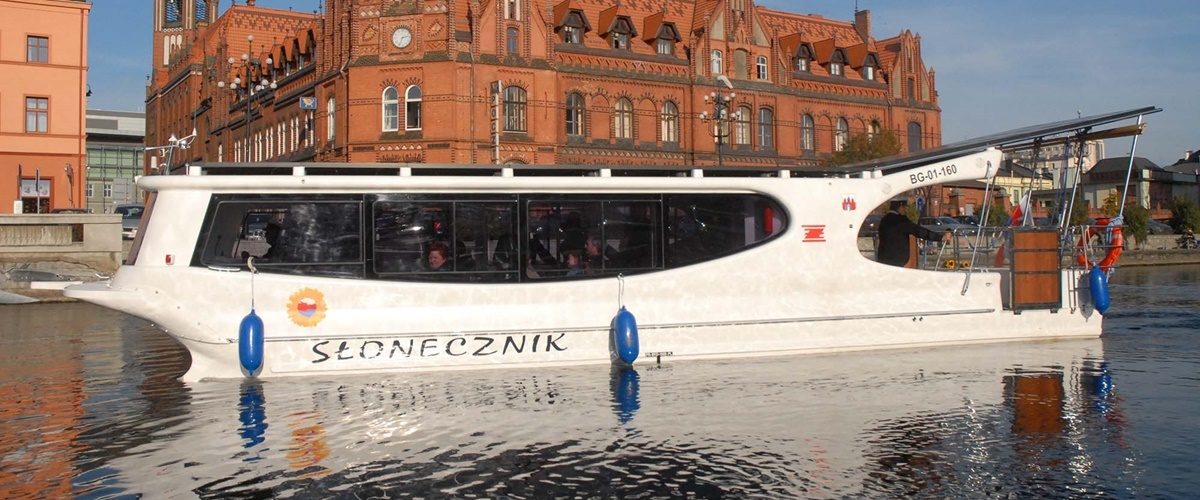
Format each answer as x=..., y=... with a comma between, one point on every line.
x=976, y=248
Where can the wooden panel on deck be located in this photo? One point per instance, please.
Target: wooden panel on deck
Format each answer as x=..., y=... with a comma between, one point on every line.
x=1036, y=273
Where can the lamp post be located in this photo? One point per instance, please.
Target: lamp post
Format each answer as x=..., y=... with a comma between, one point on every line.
x=247, y=88
x=721, y=116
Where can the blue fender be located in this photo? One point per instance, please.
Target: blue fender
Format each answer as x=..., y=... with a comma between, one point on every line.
x=250, y=343
x=624, y=344
x=1098, y=283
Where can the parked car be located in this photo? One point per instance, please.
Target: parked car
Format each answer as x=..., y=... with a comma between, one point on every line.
x=71, y=211
x=969, y=220
x=131, y=217
x=1157, y=227
x=945, y=223
x=870, y=227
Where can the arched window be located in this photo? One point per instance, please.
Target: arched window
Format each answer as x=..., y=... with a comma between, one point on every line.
x=718, y=67
x=514, y=42
x=808, y=133
x=514, y=109
x=670, y=122
x=760, y=68
x=914, y=137
x=575, y=109
x=741, y=126
x=512, y=9
x=841, y=135
x=412, y=108
x=391, y=109
x=874, y=129
x=330, y=108
x=623, y=119
x=766, y=128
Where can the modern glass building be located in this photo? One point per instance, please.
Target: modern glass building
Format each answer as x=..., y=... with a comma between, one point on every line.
x=114, y=158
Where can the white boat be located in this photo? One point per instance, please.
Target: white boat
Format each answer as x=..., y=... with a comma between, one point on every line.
x=709, y=266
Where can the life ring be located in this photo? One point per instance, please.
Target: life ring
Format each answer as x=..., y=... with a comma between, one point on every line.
x=950, y=264
x=1116, y=245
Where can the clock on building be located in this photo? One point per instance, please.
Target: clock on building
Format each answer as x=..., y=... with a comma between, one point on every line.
x=401, y=37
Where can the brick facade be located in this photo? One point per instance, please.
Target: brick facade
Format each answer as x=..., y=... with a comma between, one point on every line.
x=583, y=82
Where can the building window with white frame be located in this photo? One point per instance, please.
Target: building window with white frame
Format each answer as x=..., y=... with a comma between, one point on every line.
x=412, y=108
x=766, y=128
x=841, y=135
x=760, y=68
x=512, y=10
x=803, y=56
x=330, y=115
x=741, y=126
x=808, y=133
x=718, y=67
x=572, y=28
x=623, y=119
x=670, y=122
x=574, y=114
x=621, y=34
x=836, y=63
x=391, y=109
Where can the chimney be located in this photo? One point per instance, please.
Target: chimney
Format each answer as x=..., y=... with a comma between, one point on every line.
x=862, y=23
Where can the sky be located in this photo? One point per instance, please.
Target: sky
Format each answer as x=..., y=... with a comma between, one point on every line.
x=999, y=65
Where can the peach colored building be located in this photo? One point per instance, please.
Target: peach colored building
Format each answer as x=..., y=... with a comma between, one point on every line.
x=43, y=57
x=536, y=82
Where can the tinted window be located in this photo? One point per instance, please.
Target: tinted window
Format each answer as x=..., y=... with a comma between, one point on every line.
x=445, y=240
x=589, y=236
x=705, y=227
x=319, y=237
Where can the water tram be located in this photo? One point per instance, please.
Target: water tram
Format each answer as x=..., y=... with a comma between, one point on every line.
x=283, y=269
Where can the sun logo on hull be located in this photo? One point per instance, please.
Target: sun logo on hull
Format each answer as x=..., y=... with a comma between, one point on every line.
x=306, y=307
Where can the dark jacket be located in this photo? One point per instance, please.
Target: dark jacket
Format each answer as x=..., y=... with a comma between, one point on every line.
x=893, y=238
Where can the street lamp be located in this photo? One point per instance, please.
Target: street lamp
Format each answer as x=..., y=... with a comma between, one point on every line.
x=721, y=116
x=247, y=88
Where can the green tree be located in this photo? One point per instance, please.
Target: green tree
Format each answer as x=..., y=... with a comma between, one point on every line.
x=1184, y=215
x=1079, y=211
x=997, y=216
x=863, y=147
x=1137, y=222
x=1110, y=207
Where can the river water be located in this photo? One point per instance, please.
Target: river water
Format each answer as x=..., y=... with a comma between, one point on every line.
x=90, y=406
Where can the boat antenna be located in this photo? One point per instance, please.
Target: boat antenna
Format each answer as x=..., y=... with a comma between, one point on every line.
x=253, y=271
x=1129, y=170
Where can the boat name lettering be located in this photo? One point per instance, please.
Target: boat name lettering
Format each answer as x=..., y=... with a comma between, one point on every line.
x=347, y=350
x=933, y=173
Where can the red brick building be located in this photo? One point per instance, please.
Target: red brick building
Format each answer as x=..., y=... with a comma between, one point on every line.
x=565, y=81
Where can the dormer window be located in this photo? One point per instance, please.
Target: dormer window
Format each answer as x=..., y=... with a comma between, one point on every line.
x=573, y=27
x=803, y=56
x=837, y=63
x=664, y=41
x=868, y=69
x=621, y=33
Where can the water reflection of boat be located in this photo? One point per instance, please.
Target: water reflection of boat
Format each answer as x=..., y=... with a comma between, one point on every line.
x=746, y=265
x=944, y=421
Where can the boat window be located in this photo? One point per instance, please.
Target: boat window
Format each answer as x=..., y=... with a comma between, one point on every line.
x=708, y=226
x=310, y=237
x=433, y=240
x=585, y=236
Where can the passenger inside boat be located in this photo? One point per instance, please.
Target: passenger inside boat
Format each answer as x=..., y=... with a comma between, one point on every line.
x=438, y=259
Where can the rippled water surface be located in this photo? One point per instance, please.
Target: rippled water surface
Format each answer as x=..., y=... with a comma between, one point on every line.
x=90, y=406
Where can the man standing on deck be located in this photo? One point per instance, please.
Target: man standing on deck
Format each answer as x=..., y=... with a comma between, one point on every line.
x=894, y=229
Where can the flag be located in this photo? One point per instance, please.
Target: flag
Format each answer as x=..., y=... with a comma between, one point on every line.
x=1020, y=214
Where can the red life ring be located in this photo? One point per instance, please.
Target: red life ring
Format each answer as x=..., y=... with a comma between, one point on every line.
x=1116, y=245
